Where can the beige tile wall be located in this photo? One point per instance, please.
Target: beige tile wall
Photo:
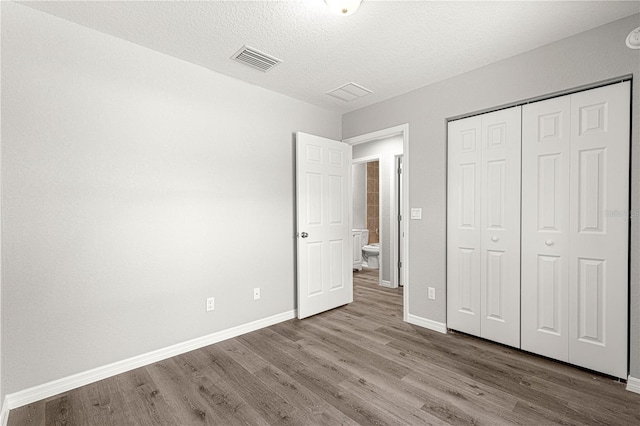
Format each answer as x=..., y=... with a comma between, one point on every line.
x=373, y=201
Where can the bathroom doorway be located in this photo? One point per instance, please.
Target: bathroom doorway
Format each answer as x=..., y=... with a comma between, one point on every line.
x=376, y=208
x=367, y=208
x=398, y=210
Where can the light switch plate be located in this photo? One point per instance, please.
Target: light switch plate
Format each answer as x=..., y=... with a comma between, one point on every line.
x=416, y=213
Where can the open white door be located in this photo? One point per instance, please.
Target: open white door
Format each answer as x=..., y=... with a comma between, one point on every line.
x=323, y=200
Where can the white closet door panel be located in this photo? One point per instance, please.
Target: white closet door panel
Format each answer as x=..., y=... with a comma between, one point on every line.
x=599, y=209
x=546, y=142
x=463, y=226
x=500, y=226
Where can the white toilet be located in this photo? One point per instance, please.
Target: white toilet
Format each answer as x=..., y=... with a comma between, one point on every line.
x=370, y=252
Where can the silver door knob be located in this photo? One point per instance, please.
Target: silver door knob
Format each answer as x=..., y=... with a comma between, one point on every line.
x=494, y=239
x=549, y=242
x=304, y=235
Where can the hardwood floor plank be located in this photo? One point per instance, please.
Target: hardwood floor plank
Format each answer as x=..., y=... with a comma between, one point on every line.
x=181, y=393
x=31, y=414
x=65, y=410
x=243, y=355
x=311, y=409
x=270, y=406
x=220, y=394
x=401, y=412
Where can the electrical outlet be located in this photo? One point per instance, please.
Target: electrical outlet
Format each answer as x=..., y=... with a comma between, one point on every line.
x=210, y=304
x=256, y=293
x=432, y=293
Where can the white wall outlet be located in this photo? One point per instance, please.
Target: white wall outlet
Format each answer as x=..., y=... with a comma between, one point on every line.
x=416, y=213
x=210, y=304
x=432, y=293
x=256, y=293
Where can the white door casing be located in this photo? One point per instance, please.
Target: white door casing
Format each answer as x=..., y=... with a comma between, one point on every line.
x=324, y=234
x=546, y=159
x=599, y=224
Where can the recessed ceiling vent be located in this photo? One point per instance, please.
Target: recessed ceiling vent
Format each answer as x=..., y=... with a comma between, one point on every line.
x=256, y=59
x=349, y=92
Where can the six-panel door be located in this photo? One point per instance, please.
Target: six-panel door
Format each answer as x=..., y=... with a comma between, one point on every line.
x=323, y=200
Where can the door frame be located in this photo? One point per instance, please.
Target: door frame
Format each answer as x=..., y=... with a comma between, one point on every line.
x=398, y=164
x=402, y=130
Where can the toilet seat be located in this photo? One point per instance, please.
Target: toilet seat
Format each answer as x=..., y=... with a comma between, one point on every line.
x=371, y=248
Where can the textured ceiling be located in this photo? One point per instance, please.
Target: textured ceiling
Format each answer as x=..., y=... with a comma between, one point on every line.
x=389, y=47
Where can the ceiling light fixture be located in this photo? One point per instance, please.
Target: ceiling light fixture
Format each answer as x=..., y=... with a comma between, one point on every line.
x=343, y=7
x=633, y=39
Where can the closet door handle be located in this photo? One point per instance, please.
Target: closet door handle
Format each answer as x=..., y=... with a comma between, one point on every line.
x=304, y=235
x=549, y=242
x=494, y=239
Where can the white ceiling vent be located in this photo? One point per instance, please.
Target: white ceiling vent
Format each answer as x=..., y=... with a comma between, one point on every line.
x=256, y=59
x=349, y=92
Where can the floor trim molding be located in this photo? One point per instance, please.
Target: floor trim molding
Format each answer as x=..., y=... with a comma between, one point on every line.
x=36, y=393
x=4, y=411
x=427, y=323
x=633, y=384
x=386, y=284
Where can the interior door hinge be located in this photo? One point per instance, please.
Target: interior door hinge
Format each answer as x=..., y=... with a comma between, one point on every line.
x=400, y=264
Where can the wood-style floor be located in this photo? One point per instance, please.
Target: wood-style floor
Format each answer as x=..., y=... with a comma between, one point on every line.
x=359, y=364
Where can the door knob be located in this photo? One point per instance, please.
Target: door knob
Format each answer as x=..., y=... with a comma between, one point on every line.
x=494, y=239
x=549, y=242
x=304, y=235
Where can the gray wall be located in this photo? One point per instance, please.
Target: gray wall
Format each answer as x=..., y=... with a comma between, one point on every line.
x=359, y=197
x=586, y=58
x=386, y=150
x=135, y=185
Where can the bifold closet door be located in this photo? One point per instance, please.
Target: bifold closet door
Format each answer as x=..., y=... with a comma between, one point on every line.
x=575, y=224
x=483, y=226
x=463, y=225
x=546, y=160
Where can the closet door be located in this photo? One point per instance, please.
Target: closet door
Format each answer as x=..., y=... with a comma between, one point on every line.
x=546, y=145
x=500, y=226
x=599, y=214
x=575, y=225
x=483, y=226
x=463, y=225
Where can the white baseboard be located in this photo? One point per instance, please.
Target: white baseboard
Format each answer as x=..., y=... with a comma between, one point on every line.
x=4, y=412
x=46, y=390
x=427, y=323
x=387, y=284
x=633, y=384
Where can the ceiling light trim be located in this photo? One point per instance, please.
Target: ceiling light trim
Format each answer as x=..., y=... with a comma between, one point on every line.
x=256, y=59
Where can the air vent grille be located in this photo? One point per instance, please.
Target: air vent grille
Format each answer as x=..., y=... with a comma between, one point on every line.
x=349, y=92
x=255, y=59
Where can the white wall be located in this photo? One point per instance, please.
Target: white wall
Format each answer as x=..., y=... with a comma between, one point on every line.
x=586, y=58
x=386, y=150
x=2, y=391
x=359, y=191
x=135, y=185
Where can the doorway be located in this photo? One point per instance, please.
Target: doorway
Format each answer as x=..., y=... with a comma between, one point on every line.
x=390, y=148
